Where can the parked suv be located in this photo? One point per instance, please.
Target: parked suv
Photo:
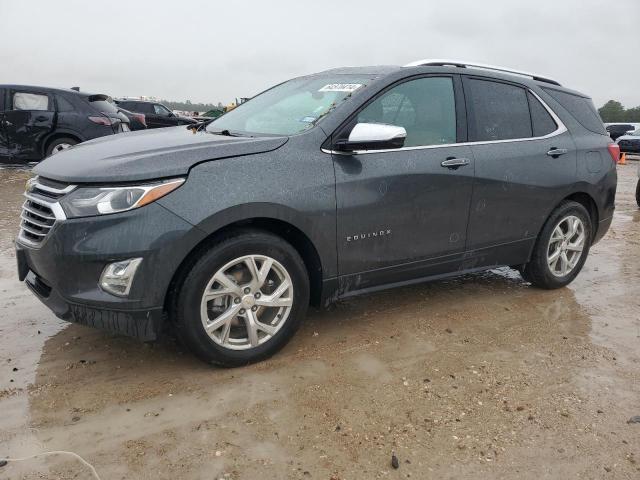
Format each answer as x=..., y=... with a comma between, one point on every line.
x=323, y=187
x=36, y=122
x=157, y=115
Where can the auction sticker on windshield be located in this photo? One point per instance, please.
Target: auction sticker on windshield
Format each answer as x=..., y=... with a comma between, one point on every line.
x=340, y=87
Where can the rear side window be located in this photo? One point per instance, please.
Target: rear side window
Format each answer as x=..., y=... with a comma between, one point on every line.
x=581, y=108
x=424, y=107
x=543, y=123
x=63, y=104
x=499, y=111
x=131, y=106
x=138, y=107
x=30, y=101
x=103, y=104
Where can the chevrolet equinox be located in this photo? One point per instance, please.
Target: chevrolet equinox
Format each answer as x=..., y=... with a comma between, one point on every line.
x=325, y=186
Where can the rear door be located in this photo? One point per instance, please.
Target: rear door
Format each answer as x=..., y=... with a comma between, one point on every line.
x=29, y=119
x=402, y=214
x=525, y=158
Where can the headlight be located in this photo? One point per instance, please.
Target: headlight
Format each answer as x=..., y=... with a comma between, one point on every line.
x=90, y=201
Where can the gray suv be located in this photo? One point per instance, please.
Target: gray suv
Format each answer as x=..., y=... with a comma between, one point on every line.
x=325, y=186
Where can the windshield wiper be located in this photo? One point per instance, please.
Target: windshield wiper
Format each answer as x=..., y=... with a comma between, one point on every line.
x=226, y=133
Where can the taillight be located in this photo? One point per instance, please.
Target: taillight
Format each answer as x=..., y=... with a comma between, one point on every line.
x=614, y=151
x=107, y=121
x=141, y=118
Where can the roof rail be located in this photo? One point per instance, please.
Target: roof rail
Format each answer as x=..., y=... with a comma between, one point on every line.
x=463, y=64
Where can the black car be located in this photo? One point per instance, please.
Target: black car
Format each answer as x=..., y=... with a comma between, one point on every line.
x=36, y=122
x=137, y=121
x=157, y=115
x=618, y=129
x=326, y=186
x=630, y=142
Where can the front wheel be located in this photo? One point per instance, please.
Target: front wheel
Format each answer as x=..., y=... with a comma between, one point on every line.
x=638, y=193
x=561, y=248
x=243, y=299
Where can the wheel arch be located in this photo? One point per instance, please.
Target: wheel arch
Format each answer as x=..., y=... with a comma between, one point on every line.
x=588, y=202
x=54, y=136
x=283, y=229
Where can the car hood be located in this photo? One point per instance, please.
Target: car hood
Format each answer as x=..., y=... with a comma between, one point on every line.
x=147, y=154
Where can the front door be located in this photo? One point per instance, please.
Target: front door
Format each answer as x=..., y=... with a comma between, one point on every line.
x=403, y=213
x=28, y=120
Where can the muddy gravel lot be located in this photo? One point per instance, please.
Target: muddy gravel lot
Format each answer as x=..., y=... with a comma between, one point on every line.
x=481, y=376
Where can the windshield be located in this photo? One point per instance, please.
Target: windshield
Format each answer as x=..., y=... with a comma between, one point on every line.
x=290, y=108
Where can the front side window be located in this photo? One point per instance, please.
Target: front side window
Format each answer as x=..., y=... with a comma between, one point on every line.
x=30, y=101
x=425, y=107
x=499, y=111
x=291, y=107
x=161, y=110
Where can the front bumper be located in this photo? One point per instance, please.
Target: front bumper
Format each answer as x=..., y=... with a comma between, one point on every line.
x=64, y=271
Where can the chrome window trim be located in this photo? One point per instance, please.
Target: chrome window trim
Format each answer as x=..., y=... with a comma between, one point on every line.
x=558, y=131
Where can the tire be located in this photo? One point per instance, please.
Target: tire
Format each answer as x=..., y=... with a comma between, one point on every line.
x=59, y=144
x=190, y=311
x=538, y=271
x=638, y=193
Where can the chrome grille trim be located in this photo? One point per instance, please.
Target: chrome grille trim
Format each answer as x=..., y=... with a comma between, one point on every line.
x=41, y=211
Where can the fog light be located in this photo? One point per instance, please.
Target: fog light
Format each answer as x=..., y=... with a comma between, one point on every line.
x=117, y=277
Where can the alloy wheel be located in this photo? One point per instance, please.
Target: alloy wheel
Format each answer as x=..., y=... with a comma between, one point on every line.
x=566, y=246
x=60, y=147
x=246, y=302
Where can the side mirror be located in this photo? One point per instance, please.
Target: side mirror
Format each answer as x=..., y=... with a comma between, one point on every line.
x=373, y=136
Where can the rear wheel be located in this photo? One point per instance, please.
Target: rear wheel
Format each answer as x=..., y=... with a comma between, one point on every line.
x=60, y=144
x=243, y=299
x=638, y=193
x=562, y=247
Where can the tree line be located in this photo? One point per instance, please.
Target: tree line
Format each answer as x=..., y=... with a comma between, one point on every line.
x=188, y=106
x=614, y=111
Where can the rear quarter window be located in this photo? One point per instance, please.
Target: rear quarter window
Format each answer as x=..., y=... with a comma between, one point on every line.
x=581, y=108
x=102, y=104
x=542, y=121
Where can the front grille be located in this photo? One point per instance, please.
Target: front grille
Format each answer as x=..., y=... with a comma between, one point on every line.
x=41, y=209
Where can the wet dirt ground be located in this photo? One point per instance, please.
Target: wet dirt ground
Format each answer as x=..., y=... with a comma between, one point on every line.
x=478, y=377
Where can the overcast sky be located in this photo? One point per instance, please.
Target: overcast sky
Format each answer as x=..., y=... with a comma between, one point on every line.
x=214, y=51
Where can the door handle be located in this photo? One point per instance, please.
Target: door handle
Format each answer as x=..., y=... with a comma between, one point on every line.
x=454, y=163
x=556, y=152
